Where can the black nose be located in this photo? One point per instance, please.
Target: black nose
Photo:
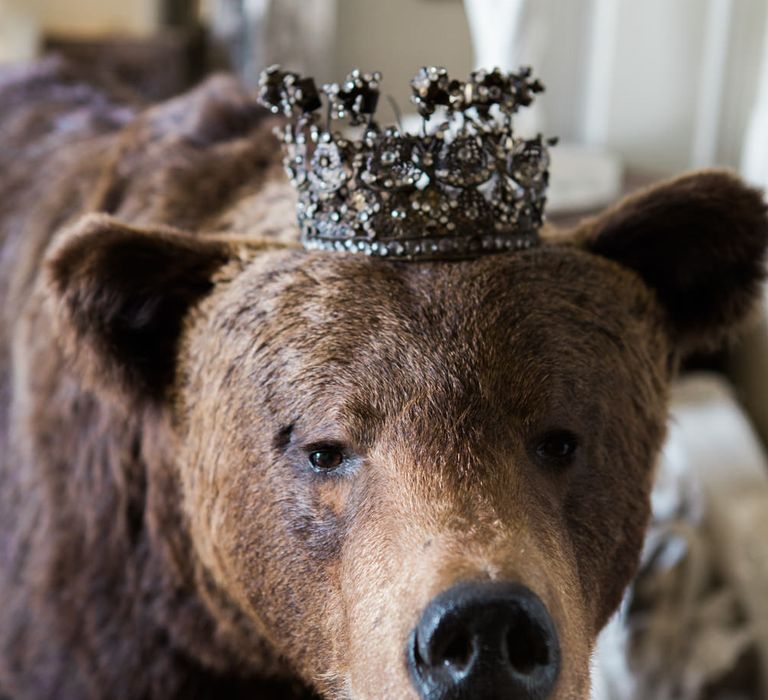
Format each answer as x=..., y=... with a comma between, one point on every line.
x=484, y=640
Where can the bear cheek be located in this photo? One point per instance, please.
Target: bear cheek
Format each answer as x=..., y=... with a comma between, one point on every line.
x=606, y=510
x=262, y=537
x=384, y=587
x=272, y=543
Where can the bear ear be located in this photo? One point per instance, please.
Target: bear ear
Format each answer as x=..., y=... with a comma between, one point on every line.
x=121, y=295
x=699, y=242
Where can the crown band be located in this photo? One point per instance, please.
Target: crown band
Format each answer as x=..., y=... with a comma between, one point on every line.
x=466, y=188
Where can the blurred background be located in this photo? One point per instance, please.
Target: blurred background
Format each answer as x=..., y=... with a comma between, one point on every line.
x=662, y=85
x=636, y=91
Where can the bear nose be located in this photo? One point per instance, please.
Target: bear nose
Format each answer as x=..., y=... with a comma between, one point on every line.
x=481, y=640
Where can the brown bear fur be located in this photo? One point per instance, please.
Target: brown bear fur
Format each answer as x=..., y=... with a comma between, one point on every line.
x=168, y=356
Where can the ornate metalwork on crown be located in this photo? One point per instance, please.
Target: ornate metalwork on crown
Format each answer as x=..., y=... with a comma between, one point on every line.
x=463, y=187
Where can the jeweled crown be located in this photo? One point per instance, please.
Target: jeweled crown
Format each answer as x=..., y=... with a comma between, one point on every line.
x=464, y=187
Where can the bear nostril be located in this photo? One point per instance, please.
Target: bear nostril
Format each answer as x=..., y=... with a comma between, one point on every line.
x=458, y=652
x=526, y=644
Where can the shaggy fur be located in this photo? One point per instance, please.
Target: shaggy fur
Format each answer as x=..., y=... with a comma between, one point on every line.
x=169, y=357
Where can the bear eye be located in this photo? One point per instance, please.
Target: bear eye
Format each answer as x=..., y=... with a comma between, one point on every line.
x=326, y=458
x=556, y=448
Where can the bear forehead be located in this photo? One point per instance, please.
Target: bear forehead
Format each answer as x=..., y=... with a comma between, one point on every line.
x=549, y=289
x=342, y=334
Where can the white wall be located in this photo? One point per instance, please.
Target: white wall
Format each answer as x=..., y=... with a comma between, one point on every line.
x=650, y=108
x=655, y=80
x=397, y=37
x=748, y=38
x=657, y=77
x=19, y=32
x=90, y=17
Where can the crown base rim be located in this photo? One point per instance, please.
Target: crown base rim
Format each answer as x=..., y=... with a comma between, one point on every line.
x=426, y=249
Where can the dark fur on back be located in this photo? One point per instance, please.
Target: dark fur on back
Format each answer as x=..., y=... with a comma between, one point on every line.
x=80, y=517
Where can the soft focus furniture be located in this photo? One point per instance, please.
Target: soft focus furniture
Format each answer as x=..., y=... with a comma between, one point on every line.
x=705, y=574
x=748, y=367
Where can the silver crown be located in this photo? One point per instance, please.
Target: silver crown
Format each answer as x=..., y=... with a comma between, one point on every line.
x=465, y=187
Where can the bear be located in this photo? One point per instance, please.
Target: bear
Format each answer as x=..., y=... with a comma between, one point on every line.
x=233, y=467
